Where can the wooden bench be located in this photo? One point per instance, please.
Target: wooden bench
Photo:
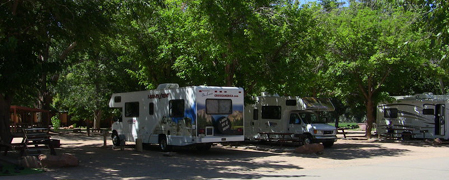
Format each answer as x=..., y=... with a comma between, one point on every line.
x=342, y=131
x=96, y=130
x=13, y=145
x=37, y=140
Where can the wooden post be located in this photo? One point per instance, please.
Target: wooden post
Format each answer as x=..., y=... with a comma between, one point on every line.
x=139, y=147
x=105, y=134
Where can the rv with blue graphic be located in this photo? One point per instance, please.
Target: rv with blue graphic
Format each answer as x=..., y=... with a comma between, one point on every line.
x=179, y=116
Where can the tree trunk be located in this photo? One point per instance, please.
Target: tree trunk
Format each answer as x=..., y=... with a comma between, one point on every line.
x=370, y=117
x=5, y=129
x=97, y=118
x=442, y=86
x=88, y=127
x=229, y=70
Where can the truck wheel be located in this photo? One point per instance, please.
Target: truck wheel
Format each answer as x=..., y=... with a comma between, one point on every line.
x=163, y=144
x=406, y=136
x=328, y=144
x=307, y=140
x=115, y=139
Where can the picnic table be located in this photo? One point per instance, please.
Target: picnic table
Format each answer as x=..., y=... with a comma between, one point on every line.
x=34, y=141
x=282, y=137
x=404, y=133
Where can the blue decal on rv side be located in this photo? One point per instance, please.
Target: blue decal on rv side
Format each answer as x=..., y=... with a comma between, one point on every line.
x=189, y=112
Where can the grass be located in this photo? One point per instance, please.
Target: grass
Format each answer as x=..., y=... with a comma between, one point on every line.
x=346, y=125
x=8, y=169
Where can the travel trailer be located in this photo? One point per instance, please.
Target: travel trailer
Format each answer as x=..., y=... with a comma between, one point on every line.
x=179, y=116
x=418, y=116
x=289, y=118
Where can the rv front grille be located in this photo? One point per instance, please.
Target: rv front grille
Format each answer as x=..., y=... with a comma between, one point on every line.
x=328, y=132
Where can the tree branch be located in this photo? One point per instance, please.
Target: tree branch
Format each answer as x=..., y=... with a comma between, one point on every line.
x=67, y=51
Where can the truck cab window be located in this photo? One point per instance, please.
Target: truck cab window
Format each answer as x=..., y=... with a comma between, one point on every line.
x=308, y=118
x=294, y=119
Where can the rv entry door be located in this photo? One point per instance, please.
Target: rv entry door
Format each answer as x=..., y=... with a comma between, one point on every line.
x=255, y=125
x=440, y=123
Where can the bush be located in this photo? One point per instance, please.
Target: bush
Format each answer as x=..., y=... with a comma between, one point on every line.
x=56, y=123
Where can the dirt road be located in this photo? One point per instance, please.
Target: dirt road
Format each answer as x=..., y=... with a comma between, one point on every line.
x=242, y=162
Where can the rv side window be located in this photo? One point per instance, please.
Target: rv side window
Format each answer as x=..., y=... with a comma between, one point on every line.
x=428, y=111
x=391, y=113
x=132, y=109
x=151, y=108
x=290, y=102
x=256, y=114
x=218, y=106
x=271, y=112
x=118, y=99
x=177, y=108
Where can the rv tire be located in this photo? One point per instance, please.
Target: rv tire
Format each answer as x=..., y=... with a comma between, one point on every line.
x=163, y=145
x=115, y=139
x=406, y=136
x=307, y=140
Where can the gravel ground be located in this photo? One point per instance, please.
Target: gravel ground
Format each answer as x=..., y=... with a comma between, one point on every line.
x=246, y=161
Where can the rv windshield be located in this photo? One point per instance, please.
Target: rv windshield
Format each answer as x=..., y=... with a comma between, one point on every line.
x=309, y=117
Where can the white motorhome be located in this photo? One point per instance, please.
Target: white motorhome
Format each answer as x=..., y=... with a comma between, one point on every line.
x=179, y=116
x=418, y=116
x=291, y=116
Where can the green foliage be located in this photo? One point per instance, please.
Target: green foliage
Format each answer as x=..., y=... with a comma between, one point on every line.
x=361, y=53
x=370, y=49
x=56, y=123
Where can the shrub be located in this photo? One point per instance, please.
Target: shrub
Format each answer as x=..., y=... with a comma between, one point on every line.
x=56, y=123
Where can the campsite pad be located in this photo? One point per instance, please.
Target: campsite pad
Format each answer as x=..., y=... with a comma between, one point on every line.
x=8, y=169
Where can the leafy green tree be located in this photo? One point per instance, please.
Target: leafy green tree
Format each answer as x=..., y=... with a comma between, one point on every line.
x=258, y=45
x=371, y=50
x=85, y=88
x=35, y=37
x=435, y=19
x=150, y=37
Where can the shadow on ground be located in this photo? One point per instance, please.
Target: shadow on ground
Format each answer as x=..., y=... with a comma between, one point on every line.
x=97, y=162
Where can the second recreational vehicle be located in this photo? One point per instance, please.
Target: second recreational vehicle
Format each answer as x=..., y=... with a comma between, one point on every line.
x=179, y=116
x=419, y=116
x=291, y=116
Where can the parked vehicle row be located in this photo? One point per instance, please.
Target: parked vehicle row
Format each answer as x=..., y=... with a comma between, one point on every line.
x=202, y=115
